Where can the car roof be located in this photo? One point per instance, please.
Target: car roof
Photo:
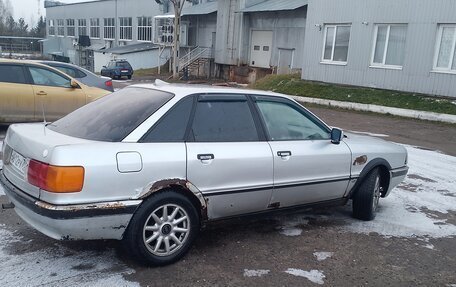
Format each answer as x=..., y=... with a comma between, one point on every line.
x=182, y=90
x=33, y=62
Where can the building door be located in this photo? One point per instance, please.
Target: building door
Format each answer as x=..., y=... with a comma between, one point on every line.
x=261, y=49
x=285, y=61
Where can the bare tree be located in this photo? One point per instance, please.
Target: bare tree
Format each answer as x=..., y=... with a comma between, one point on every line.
x=177, y=5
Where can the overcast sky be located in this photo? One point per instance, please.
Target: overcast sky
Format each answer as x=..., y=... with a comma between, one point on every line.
x=28, y=9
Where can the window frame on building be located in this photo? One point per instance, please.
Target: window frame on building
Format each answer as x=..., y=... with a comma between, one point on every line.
x=144, y=32
x=125, y=29
x=331, y=60
x=386, y=46
x=82, y=24
x=70, y=27
x=51, y=28
x=95, y=28
x=109, y=30
x=60, y=28
x=451, y=66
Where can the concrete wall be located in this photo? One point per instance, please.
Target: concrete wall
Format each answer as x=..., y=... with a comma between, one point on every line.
x=422, y=18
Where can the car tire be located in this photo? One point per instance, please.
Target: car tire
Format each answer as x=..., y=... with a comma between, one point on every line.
x=366, y=198
x=129, y=77
x=153, y=236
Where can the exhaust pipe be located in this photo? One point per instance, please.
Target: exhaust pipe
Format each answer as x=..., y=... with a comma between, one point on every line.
x=8, y=205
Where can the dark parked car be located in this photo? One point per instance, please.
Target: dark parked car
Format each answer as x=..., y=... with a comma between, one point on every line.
x=117, y=69
x=82, y=75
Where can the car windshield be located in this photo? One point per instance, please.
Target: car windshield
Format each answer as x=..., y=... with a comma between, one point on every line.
x=123, y=64
x=112, y=117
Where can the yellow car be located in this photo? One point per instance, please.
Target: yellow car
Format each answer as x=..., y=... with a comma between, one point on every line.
x=28, y=90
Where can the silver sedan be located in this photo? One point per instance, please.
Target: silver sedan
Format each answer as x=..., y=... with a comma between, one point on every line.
x=151, y=163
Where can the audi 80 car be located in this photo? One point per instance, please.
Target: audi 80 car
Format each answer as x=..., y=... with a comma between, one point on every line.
x=150, y=164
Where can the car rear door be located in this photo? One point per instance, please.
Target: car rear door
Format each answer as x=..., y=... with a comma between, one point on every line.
x=227, y=157
x=53, y=93
x=308, y=168
x=17, y=101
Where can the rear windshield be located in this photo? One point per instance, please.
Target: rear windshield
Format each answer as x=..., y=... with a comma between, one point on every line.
x=123, y=64
x=112, y=117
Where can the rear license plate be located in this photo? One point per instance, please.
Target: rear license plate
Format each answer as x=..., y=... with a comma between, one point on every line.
x=124, y=71
x=19, y=162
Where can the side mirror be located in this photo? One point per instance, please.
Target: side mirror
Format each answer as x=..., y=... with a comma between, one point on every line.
x=336, y=135
x=104, y=67
x=74, y=84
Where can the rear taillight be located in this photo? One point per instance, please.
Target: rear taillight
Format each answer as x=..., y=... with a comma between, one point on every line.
x=108, y=83
x=59, y=179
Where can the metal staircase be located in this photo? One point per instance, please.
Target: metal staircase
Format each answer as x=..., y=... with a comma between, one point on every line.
x=194, y=59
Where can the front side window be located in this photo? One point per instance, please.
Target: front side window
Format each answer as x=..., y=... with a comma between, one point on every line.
x=145, y=29
x=70, y=27
x=126, y=29
x=51, y=28
x=44, y=77
x=12, y=74
x=336, y=40
x=82, y=27
x=389, y=45
x=286, y=121
x=113, y=117
x=95, y=28
x=109, y=28
x=223, y=120
x=445, y=59
x=60, y=27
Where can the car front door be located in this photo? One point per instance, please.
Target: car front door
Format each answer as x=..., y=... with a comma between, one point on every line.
x=228, y=159
x=54, y=94
x=16, y=94
x=308, y=168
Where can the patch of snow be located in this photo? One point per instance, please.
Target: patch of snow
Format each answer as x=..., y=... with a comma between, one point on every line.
x=323, y=255
x=369, y=134
x=315, y=276
x=429, y=246
x=290, y=231
x=255, y=273
x=53, y=267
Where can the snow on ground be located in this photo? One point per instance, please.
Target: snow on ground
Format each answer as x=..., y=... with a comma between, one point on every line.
x=315, y=276
x=58, y=266
x=323, y=255
x=369, y=134
x=416, y=208
x=255, y=273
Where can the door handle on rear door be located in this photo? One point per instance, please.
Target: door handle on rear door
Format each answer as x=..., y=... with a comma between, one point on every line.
x=41, y=93
x=284, y=153
x=208, y=156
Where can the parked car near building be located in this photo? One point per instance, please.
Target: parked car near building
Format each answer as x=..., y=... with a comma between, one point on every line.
x=84, y=76
x=31, y=91
x=117, y=69
x=179, y=156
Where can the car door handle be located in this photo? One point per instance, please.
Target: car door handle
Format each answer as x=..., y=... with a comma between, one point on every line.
x=208, y=156
x=41, y=93
x=284, y=153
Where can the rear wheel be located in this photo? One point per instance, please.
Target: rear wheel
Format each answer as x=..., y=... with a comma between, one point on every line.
x=129, y=77
x=367, y=197
x=163, y=229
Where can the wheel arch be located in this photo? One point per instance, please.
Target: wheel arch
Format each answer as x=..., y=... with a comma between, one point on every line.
x=384, y=168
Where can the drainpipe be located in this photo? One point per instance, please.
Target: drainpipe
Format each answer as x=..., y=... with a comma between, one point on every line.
x=116, y=21
x=241, y=27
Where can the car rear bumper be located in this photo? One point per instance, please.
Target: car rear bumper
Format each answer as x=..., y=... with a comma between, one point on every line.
x=104, y=220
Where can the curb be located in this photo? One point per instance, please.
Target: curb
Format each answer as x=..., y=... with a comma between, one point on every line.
x=420, y=115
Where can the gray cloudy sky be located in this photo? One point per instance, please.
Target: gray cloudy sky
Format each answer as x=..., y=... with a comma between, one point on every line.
x=28, y=9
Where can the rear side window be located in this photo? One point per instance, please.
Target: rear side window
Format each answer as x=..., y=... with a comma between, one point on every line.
x=223, y=121
x=112, y=117
x=70, y=72
x=12, y=74
x=172, y=126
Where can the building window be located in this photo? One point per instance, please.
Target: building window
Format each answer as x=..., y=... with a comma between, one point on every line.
x=60, y=27
x=95, y=28
x=70, y=27
x=82, y=27
x=51, y=28
x=389, y=45
x=126, y=29
x=445, y=56
x=336, y=42
x=145, y=29
x=109, y=28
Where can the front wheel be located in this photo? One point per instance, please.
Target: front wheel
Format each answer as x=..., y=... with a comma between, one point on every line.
x=163, y=229
x=366, y=198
